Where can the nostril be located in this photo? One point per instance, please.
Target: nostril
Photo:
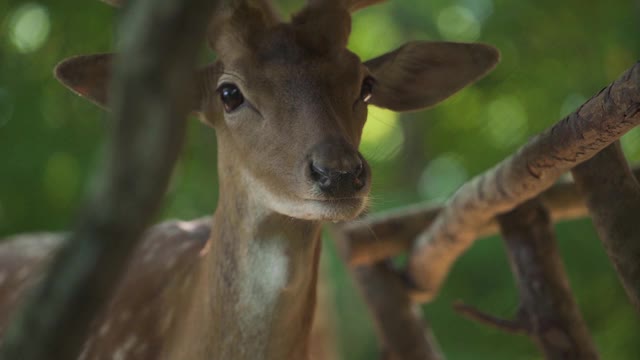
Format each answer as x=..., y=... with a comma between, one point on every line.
x=358, y=169
x=320, y=175
x=318, y=172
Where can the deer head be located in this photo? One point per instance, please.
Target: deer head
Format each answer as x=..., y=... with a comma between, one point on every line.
x=288, y=100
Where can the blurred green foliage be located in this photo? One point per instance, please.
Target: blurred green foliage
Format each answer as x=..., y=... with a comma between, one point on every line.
x=555, y=55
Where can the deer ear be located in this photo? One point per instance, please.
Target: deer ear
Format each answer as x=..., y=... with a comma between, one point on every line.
x=87, y=76
x=420, y=74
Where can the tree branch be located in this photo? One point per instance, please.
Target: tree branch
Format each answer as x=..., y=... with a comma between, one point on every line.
x=613, y=197
x=523, y=175
x=391, y=233
x=153, y=79
x=546, y=301
x=400, y=327
x=511, y=326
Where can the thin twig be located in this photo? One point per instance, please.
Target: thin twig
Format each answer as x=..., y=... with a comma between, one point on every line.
x=473, y=313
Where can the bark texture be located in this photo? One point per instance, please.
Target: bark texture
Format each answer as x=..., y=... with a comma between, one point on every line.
x=548, y=309
x=401, y=330
x=612, y=194
x=533, y=169
x=389, y=234
x=151, y=90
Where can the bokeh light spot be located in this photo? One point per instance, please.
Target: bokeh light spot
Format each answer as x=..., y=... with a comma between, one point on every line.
x=507, y=122
x=373, y=32
x=29, y=26
x=442, y=177
x=382, y=136
x=458, y=23
x=481, y=9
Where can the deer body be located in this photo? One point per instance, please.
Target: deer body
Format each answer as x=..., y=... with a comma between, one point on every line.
x=288, y=103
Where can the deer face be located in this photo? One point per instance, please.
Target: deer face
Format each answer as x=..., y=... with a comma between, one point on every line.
x=291, y=116
x=288, y=102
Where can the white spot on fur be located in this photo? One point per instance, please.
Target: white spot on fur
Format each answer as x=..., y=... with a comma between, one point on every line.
x=188, y=226
x=85, y=349
x=121, y=352
x=104, y=329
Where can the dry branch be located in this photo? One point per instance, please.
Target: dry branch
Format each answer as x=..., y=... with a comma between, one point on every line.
x=401, y=330
x=548, y=309
x=613, y=197
x=388, y=234
x=151, y=86
x=534, y=168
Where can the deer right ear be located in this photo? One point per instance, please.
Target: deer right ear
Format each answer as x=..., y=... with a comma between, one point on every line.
x=87, y=76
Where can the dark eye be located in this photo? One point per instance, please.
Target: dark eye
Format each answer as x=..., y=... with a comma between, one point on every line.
x=367, y=89
x=231, y=97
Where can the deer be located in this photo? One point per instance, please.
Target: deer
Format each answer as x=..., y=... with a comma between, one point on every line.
x=288, y=102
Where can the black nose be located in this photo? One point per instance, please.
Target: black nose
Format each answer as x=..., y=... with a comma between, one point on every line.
x=337, y=169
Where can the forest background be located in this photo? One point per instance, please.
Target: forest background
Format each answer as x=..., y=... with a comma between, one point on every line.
x=555, y=55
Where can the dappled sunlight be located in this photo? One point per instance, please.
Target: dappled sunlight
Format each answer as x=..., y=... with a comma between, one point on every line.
x=29, y=27
x=382, y=136
x=442, y=177
x=507, y=122
x=373, y=33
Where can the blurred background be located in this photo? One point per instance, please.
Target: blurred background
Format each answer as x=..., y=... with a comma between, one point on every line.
x=555, y=55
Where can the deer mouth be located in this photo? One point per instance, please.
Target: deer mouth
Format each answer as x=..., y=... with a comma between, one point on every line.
x=339, y=209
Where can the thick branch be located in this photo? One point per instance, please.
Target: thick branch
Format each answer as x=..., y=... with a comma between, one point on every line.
x=152, y=83
x=613, y=197
x=388, y=234
x=533, y=169
x=547, y=304
x=401, y=329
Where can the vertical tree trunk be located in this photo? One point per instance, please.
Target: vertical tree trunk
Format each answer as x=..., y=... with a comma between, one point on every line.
x=152, y=84
x=612, y=194
x=548, y=310
x=401, y=330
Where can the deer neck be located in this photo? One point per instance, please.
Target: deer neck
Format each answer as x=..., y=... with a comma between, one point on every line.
x=260, y=273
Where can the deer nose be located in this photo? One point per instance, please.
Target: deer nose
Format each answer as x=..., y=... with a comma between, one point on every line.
x=337, y=169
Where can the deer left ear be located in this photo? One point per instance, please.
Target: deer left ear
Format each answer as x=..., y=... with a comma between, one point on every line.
x=420, y=74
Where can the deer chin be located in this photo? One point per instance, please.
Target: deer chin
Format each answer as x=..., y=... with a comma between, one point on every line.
x=305, y=208
x=315, y=209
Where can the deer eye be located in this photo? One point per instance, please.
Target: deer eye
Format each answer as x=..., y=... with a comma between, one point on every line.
x=231, y=97
x=367, y=89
